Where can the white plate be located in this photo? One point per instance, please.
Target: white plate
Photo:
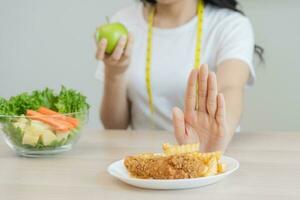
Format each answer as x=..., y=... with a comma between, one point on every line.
x=118, y=170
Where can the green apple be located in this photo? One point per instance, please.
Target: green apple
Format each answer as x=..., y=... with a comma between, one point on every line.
x=112, y=33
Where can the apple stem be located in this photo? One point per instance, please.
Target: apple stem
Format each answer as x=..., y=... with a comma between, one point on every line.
x=107, y=19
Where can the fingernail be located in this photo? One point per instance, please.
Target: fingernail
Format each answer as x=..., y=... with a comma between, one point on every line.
x=177, y=111
x=103, y=41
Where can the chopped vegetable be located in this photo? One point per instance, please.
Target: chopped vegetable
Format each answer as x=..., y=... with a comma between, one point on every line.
x=21, y=123
x=71, y=120
x=48, y=137
x=56, y=124
x=31, y=140
x=62, y=136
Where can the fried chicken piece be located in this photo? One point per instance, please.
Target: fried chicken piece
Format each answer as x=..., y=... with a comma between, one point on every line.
x=177, y=162
x=178, y=166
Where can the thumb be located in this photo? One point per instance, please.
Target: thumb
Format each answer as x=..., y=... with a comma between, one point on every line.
x=179, y=125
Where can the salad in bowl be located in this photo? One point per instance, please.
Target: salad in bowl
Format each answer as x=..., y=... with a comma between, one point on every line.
x=43, y=122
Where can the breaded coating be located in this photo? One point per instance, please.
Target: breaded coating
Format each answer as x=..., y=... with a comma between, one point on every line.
x=178, y=166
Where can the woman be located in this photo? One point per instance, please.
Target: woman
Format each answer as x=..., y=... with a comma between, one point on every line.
x=144, y=80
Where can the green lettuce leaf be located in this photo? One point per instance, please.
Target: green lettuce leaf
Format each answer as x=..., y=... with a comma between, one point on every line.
x=3, y=106
x=67, y=101
x=70, y=101
x=4, y=109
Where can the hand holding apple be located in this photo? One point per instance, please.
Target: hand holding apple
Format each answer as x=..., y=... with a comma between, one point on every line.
x=114, y=48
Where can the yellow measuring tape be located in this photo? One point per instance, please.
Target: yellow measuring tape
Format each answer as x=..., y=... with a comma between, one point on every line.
x=200, y=12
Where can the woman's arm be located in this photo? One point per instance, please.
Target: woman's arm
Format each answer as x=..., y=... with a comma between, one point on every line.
x=232, y=76
x=115, y=109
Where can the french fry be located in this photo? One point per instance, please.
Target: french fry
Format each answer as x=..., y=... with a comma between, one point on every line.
x=221, y=167
x=178, y=149
x=206, y=157
x=212, y=167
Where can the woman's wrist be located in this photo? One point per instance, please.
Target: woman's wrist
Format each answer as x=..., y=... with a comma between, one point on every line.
x=114, y=76
x=114, y=72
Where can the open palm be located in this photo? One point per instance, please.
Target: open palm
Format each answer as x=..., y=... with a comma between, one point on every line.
x=204, y=117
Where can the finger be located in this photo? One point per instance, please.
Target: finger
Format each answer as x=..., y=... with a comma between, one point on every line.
x=190, y=95
x=179, y=125
x=129, y=46
x=117, y=54
x=221, y=110
x=101, y=49
x=212, y=94
x=202, y=88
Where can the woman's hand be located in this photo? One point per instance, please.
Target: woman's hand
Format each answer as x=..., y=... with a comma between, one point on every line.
x=118, y=61
x=206, y=124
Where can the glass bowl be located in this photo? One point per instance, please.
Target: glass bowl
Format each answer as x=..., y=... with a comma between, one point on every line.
x=41, y=135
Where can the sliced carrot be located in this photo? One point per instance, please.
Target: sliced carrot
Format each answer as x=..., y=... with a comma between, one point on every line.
x=47, y=111
x=56, y=124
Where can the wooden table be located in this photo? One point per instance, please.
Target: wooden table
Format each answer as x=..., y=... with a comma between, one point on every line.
x=270, y=169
